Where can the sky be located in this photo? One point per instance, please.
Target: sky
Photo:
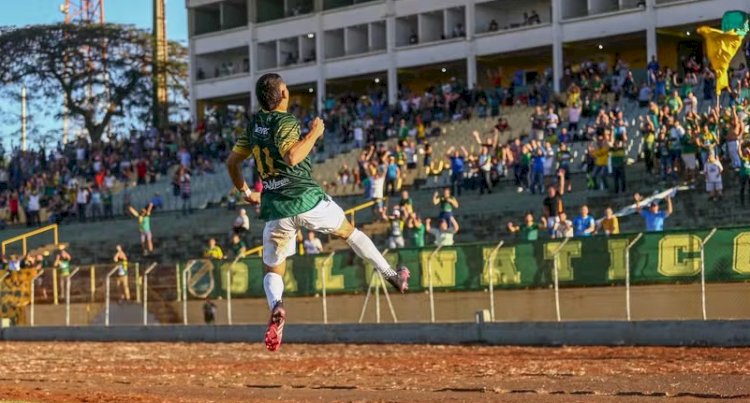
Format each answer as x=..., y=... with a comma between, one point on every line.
x=135, y=12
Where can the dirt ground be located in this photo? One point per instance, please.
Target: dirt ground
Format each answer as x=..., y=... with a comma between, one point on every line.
x=176, y=372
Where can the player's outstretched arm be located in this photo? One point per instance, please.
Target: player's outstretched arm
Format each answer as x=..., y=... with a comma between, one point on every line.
x=301, y=149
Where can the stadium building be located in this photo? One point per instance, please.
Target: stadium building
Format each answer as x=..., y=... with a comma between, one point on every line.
x=329, y=46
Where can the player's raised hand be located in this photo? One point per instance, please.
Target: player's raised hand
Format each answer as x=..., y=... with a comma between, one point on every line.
x=317, y=127
x=253, y=198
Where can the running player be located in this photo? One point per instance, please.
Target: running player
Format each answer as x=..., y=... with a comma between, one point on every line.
x=291, y=198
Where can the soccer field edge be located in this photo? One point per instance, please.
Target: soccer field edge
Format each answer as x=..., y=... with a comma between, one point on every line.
x=715, y=333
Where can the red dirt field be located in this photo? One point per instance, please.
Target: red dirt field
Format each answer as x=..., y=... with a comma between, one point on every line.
x=177, y=372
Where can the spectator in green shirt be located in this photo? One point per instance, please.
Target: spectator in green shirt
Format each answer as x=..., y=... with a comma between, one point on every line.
x=238, y=246
x=528, y=231
x=416, y=230
x=744, y=171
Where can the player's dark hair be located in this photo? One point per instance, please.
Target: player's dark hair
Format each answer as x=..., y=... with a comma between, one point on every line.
x=268, y=91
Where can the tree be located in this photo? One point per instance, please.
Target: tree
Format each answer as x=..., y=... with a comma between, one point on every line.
x=100, y=72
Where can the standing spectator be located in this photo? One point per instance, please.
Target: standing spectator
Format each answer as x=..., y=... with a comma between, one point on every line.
x=617, y=158
x=33, y=218
x=144, y=226
x=312, y=244
x=209, y=311
x=241, y=224
x=96, y=203
x=552, y=206
x=13, y=208
x=393, y=173
x=537, y=172
x=610, y=225
x=584, y=225
x=528, y=231
x=213, y=251
x=82, y=199
x=447, y=203
x=378, y=189
x=713, y=170
x=654, y=218
x=121, y=262
x=458, y=162
x=406, y=204
x=744, y=173
x=600, y=153
x=443, y=234
x=62, y=264
x=141, y=170
x=564, y=158
x=185, y=191
x=107, y=203
x=485, y=171
x=538, y=123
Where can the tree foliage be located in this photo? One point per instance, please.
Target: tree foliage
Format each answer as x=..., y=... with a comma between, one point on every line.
x=101, y=72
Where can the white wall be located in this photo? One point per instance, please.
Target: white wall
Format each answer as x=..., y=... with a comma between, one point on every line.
x=603, y=6
x=267, y=55
x=431, y=26
x=334, y=43
x=214, y=42
x=377, y=36
x=356, y=40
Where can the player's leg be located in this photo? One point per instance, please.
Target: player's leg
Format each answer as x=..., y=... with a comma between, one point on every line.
x=278, y=244
x=327, y=217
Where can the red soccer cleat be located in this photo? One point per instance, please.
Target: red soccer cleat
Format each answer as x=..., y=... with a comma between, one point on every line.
x=275, y=327
x=401, y=280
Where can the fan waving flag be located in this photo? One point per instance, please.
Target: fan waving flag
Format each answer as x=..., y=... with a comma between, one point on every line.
x=720, y=50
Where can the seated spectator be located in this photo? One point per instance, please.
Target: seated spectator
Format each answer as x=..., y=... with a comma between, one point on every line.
x=213, y=251
x=563, y=227
x=528, y=231
x=238, y=246
x=493, y=26
x=609, y=225
x=443, y=234
x=584, y=225
x=312, y=244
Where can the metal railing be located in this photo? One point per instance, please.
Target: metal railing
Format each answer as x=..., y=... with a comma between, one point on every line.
x=23, y=238
x=79, y=279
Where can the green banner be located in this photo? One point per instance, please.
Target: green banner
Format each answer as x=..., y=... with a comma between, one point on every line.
x=666, y=257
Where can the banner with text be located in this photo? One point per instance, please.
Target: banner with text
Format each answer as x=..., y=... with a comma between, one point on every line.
x=666, y=257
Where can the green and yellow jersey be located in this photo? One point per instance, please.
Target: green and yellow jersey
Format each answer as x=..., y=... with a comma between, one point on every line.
x=287, y=190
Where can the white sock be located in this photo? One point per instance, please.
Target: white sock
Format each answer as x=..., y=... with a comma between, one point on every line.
x=274, y=286
x=364, y=248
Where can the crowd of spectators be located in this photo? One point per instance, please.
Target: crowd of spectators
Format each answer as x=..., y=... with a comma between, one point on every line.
x=79, y=180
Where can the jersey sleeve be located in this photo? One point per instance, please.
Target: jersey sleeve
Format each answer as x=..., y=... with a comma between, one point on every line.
x=243, y=146
x=288, y=134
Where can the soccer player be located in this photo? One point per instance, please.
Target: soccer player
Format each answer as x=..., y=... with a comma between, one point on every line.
x=291, y=198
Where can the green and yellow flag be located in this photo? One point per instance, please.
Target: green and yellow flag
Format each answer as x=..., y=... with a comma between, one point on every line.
x=720, y=50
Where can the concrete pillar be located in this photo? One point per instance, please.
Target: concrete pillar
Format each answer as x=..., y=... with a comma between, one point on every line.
x=651, y=48
x=320, y=53
x=252, y=49
x=390, y=36
x=471, y=69
x=557, y=45
x=471, y=58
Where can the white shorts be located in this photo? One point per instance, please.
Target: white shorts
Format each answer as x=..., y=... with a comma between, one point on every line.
x=690, y=162
x=280, y=236
x=714, y=186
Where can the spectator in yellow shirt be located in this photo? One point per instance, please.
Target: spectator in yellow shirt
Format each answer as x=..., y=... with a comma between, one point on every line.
x=600, y=152
x=610, y=225
x=213, y=251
